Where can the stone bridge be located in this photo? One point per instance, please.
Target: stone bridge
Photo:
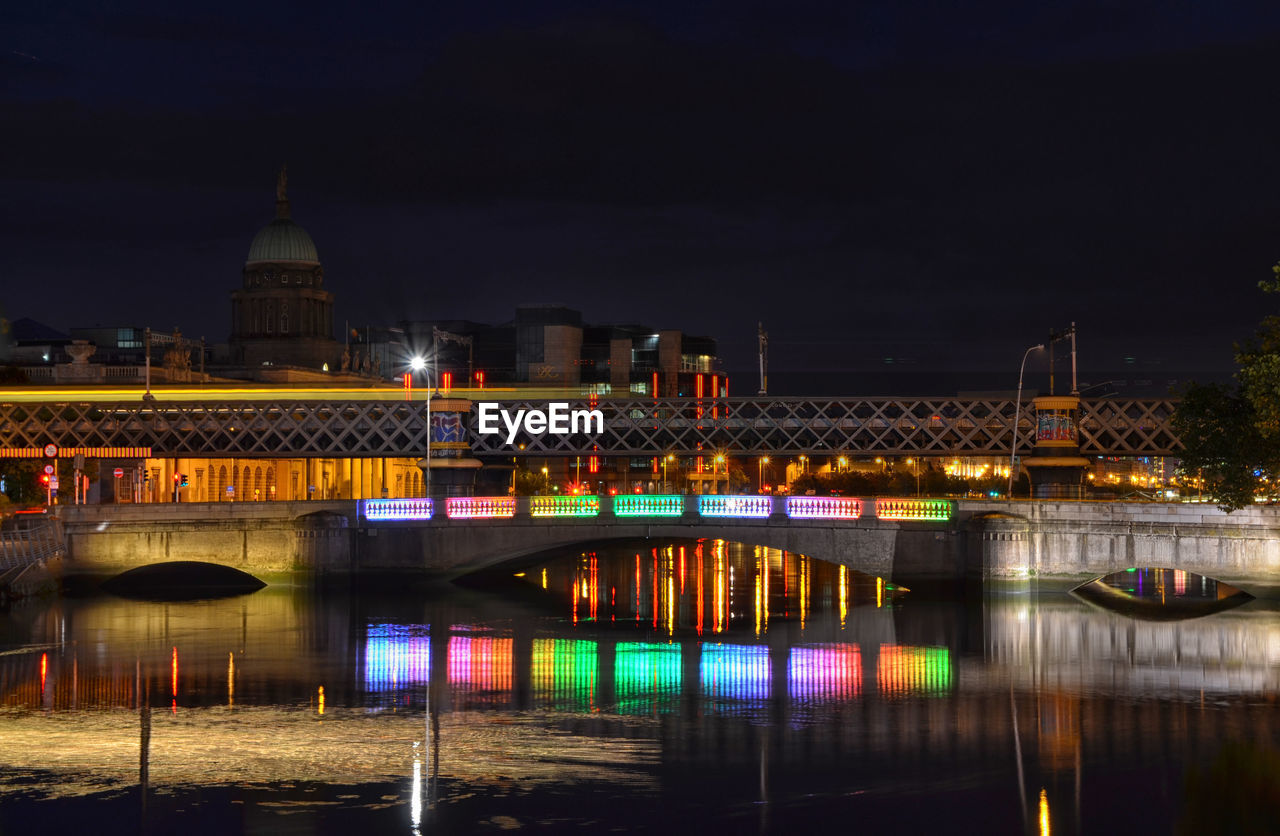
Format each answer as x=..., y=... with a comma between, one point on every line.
x=911, y=542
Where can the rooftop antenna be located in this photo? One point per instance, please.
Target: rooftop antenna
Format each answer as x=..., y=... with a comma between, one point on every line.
x=762, y=340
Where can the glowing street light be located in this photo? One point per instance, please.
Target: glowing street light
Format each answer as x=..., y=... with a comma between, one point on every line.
x=764, y=460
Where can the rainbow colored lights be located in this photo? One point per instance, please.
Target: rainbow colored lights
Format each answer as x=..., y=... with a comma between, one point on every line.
x=742, y=507
x=648, y=505
x=396, y=657
x=647, y=677
x=910, y=671
x=823, y=508
x=735, y=671
x=480, y=507
x=479, y=663
x=929, y=510
x=564, y=506
x=825, y=672
x=396, y=509
x=564, y=673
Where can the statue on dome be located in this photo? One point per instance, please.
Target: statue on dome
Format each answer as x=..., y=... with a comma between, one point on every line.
x=282, y=184
x=346, y=358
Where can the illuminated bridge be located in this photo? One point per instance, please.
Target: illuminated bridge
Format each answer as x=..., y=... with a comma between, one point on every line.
x=366, y=428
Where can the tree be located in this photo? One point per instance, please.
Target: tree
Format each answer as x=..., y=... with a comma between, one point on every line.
x=1231, y=433
x=1223, y=443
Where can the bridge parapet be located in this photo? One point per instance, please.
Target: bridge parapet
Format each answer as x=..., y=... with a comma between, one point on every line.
x=713, y=506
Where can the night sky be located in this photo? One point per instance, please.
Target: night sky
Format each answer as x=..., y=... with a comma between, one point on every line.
x=937, y=183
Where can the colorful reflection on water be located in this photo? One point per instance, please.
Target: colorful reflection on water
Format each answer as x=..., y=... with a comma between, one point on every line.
x=732, y=687
x=707, y=587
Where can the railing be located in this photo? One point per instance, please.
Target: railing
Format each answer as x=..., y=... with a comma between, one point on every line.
x=648, y=505
x=751, y=507
x=710, y=506
x=480, y=507
x=396, y=509
x=823, y=508
x=564, y=506
x=932, y=510
x=22, y=548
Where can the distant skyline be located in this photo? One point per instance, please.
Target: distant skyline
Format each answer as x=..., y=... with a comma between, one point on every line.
x=896, y=180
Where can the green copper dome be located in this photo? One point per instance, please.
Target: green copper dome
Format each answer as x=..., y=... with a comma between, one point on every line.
x=283, y=240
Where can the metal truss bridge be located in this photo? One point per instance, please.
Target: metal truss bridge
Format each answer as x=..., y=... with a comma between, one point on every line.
x=637, y=427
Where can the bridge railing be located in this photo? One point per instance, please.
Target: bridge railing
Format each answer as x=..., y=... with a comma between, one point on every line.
x=564, y=506
x=823, y=508
x=710, y=506
x=935, y=510
x=649, y=505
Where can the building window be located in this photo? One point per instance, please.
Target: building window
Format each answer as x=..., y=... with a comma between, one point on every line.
x=284, y=317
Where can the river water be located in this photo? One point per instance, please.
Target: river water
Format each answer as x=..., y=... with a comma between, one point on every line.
x=669, y=687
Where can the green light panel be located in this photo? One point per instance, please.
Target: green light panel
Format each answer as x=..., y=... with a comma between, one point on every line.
x=564, y=506
x=647, y=677
x=648, y=505
x=928, y=510
x=564, y=673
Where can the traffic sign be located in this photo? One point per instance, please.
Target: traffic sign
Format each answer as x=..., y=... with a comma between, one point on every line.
x=119, y=472
x=231, y=490
x=48, y=468
x=51, y=450
x=53, y=483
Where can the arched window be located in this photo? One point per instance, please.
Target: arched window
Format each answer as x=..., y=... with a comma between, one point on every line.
x=284, y=317
x=220, y=487
x=242, y=490
x=259, y=489
x=269, y=318
x=271, y=483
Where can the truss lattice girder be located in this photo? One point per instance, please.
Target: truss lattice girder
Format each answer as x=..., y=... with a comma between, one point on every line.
x=865, y=426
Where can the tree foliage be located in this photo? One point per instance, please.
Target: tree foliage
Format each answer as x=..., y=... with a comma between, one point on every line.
x=1231, y=433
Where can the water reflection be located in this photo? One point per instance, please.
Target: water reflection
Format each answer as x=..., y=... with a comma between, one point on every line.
x=1161, y=594
x=740, y=688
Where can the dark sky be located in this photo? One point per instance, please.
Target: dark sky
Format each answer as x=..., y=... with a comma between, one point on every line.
x=940, y=183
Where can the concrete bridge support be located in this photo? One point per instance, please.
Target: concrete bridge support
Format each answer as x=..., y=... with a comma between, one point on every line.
x=1047, y=541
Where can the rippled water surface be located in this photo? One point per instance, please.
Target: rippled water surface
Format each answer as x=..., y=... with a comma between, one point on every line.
x=687, y=686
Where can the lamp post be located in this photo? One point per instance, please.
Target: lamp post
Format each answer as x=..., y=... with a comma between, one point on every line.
x=916, y=464
x=1017, y=413
x=764, y=460
x=669, y=457
x=418, y=363
x=720, y=459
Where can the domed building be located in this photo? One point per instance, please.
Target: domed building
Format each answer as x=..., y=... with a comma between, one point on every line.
x=282, y=315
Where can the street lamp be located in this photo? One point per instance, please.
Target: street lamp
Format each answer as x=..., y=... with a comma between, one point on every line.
x=1017, y=413
x=670, y=457
x=719, y=459
x=916, y=462
x=544, y=480
x=764, y=460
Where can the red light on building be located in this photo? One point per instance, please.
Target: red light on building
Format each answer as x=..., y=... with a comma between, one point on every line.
x=655, y=384
x=480, y=380
x=446, y=381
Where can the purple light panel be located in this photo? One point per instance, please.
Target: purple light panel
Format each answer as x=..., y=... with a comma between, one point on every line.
x=396, y=509
x=823, y=508
x=747, y=507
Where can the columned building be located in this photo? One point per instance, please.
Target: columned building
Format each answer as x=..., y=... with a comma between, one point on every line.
x=282, y=315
